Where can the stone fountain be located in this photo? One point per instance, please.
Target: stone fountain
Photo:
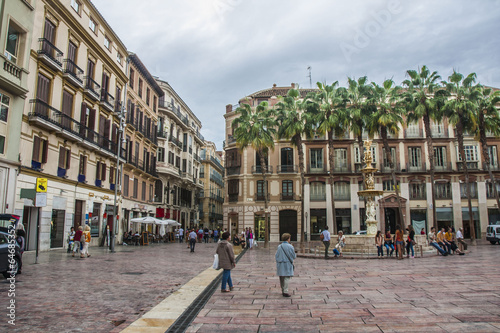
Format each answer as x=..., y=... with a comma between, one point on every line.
x=369, y=193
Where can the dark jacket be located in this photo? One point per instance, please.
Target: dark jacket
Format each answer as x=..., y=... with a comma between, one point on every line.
x=226, y=255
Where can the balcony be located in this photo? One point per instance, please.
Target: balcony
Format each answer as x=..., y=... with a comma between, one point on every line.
x=72, y=73
x=416, y=168
x=13, y=70
x=287, y=197
x=342, y=196
x=438, y=131
x=318, y=196
x=384, y=168
x=107, y=101
x=233, y=171
x=445, y=167
x=45, y=116
x=287, y=169
x=216, y=162
x=50, y=55
x=256, y=169
x=342, y=168
x=176, y=142
x=261, y=197
x=92, y=88
x=230, y=139
x=316, y=170
x=162, y=135
x=470, y=166
x=233, y=197
x=414, y=133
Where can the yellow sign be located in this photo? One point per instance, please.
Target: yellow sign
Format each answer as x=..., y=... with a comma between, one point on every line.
x=41, y=184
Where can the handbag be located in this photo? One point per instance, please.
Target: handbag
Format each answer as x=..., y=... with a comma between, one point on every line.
x=322, y=237
x=215, y=265
x=291, y=261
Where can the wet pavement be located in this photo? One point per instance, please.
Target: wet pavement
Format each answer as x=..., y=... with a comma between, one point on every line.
x=430, y=294
x=103, y=293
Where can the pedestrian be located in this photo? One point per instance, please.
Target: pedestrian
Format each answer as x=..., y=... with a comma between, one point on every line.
x=206, y=234
x=450, y=237
x=85, y=240
x=71, y=239
x=77, y=245
x=285, y=255
x=216, y=235
x=460, y=240
x=192, y=240
x=422, y=232
x=246, y=238
x=340, y=244
x=379, y=241
x=325, y=237
x=250, y=237
x=399, y=242
x=431, y=237
x=21, y=241
x=226, y=261
x=388, y=243
x=181, y=235
x=200, y=235
x=410, y=241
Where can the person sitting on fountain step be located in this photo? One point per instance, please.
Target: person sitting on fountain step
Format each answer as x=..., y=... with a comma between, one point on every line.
x=441, y=240
x=432, y=242
x=388, y=242
x=340, y=244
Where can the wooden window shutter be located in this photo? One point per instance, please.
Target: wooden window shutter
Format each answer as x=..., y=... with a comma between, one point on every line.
x=62, y=153
x=43, y=87
x=68, y=158
x=107, y=128
x=103, y=172
x=98, y=170
x=114, y=134
x=92, y=119
x=49, y=31
x=102, y=124
x=36, y=149
x=45, y=150
x=112, y=175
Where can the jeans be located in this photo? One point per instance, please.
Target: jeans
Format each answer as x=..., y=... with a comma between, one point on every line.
x=445, y=246
x=192, y=244
x=181, y=238
x=284, y=284
x=216, y=239
x=327, y=245
x=76, y=247
x=439, y=248
x=380, y=251
x=389, y=247
x=226, y=278
x=409, y=246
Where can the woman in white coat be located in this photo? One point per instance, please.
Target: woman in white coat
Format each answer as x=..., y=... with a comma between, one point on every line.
x=285, y=255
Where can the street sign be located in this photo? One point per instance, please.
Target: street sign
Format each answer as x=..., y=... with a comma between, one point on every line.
x=41, y=185
x=41, y=200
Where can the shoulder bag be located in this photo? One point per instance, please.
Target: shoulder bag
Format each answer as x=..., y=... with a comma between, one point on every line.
x=291, y=261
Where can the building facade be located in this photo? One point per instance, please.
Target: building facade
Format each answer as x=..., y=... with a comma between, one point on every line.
x=212, y=196
x=244, y=204
x=178, y=163
x=16, y=26
x=69, y=134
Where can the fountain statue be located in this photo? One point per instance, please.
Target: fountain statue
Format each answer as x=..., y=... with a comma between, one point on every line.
x=369, y=193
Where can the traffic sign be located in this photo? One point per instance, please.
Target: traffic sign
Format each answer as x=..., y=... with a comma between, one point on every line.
x=41, y=200
x=41, y=184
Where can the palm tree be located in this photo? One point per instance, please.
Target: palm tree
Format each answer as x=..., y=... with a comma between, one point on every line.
x=421, y=104
x=332, y=120
x=487, y=120
x=459, y=110
x=255, y=127
x=294, y=121
x=358, y=93
x=386, y=118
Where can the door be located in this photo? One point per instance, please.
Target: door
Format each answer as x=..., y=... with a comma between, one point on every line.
x=30, y=216
x=288, y=223
x=259, y=228
x=42, y=96
x=391, y=219
x=49, y=34
x=78, y=214
x=57, y=228
x=67, y=106
x=70, y=65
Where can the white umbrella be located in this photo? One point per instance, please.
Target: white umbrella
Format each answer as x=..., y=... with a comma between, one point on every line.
x=147, y=219
x=171, y=222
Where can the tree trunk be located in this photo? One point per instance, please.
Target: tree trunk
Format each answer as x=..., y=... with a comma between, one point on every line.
x=300, y=150
x=383, y=134
x=430, y=154
x=460, y=137
x=263, y=168
x=362, y=160
x=486, y=158
x=330, y=159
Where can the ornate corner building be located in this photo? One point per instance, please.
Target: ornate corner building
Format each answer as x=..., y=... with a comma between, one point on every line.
x=244, y=204
x=212, y=196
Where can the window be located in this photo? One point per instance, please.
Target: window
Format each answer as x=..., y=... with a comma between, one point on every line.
x=417, y=191
x=126, y=182
x=414, y=158
x=154, y=103
x=492, y=153
x=151, y=192
x=316, y=161
x=12, y=45
x=342, y=191
x=93, y=25
x=76, y=5
x=393, y=157
x=107, y=43
x=148, y=96
x=140, y=88
x=261, y=191
x=357, y=155
x=4, y=107
x=473, y=190
x=119, y=58
x=178, y=162
x=490, y=191
x=389, y=185
x=64, y=158
x=112, y=175
x=286, y=158
x=471, y=154
x=171, y=157
x=131, y=79
x=136, y=188
x=143, y=192
x=443, y=190
x=318, y=191
x=2, y=144
x=340, y=159
x=40, y=150
x=439, y=157
x=161, y=154
x=287, y=190
x=100, y=171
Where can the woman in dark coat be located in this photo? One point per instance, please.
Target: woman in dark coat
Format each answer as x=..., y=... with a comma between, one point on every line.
x=226, y=261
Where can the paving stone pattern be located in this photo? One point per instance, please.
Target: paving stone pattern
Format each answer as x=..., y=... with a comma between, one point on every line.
x=430, y=294
x=65, y=294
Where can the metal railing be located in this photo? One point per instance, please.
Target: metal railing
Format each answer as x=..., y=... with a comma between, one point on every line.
x=107, y=98
x=233, y=171
x=261, y=197
x=72, y=69
x=91, y=85
x=233, y=197
x=416, y=168
x=256, y=169
x=318, y=196
x=414, y=133
x=287, y=197
x=342, y=169
x=470, y=165
x=48, y=49
x=316, y=170
x=287, y=169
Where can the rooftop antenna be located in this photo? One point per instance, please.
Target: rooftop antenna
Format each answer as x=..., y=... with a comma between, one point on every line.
x=309, y=76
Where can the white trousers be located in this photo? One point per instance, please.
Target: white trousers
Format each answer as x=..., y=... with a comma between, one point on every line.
x=85, y=250
x=250, y=241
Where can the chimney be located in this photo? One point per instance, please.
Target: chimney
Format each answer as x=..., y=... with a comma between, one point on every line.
x=274, y=85
x=229, y=108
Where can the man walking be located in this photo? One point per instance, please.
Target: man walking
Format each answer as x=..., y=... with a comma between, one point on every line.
x=325, y=237
x=192, y=240
x=285, y=255
x=181, y=235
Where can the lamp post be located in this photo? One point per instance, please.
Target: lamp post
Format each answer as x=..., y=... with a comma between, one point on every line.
x=121, y=115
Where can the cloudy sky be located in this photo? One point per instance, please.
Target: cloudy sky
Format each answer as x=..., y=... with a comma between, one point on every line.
x=214, y=52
